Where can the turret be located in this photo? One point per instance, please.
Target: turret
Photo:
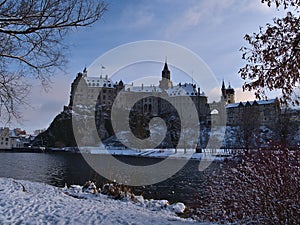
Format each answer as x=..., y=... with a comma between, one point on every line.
x=166, y=72
x=84, y=73
x=165, y=82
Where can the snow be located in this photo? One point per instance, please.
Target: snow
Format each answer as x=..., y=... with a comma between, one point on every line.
x=179, y=207
x=143, y=88
x=25, y=202
x=98, y=82
x=208, y=154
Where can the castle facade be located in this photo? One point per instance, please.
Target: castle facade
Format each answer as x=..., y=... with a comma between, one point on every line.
x=102, y=92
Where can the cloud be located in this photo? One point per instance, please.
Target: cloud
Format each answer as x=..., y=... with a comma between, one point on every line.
x=243, y=96
x=202, y=12
x=256, y=6
x=134, y=16
x=214, y=13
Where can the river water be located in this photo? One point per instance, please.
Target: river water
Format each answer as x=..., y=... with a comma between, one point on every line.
x=58, y=169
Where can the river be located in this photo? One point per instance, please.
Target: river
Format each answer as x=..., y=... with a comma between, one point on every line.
x=58, y=169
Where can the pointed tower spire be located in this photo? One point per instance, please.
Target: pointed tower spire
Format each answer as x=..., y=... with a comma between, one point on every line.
x=84, y=72
x=223, y=85
x=223, y=90
x=166, y=72
x=229, y=86
x=165, y=82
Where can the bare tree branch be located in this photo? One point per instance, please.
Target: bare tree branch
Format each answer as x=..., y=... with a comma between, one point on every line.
x=31, y=41
x=273, y=58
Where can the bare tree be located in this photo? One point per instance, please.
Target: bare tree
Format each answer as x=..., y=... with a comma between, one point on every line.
x=31, y=42
x=257, y=187
x=273, y=58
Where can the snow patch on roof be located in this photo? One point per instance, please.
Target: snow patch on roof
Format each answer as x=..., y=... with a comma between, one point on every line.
x=99, y=82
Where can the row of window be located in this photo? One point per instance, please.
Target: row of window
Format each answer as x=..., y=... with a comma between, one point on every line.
x=97, y=85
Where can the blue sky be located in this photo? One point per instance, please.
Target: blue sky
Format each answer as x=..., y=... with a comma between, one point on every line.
x=213, y=29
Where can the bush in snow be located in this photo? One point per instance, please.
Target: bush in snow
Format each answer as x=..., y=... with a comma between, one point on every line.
x=117, y=191
x=90, y=187
x=258, y=187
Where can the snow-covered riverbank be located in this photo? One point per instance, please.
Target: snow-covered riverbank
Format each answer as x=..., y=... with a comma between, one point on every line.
x=25, y=202
x=207, y=154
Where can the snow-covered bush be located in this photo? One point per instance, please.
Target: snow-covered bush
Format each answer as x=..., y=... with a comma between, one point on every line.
x=117, y=191
x=257, y=187
x=122, y=193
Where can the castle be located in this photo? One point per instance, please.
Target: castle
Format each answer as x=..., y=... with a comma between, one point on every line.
x=101, y=92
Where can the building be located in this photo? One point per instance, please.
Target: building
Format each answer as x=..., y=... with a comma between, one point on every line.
x=101, y=92
x=94, y=90
x=11, y=138
x=228, y=94
x=218, y=114
x=263, y=113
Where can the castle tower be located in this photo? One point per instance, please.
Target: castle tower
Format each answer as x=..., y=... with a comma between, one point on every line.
x=166, y=72
x=84, y=73
x=228, y=94
x=165, y=82
x=223, y=89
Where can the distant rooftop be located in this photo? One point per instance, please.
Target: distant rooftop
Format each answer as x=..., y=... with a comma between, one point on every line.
x=260, y=102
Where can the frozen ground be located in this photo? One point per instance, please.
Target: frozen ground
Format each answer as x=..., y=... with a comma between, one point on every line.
x=25, y=202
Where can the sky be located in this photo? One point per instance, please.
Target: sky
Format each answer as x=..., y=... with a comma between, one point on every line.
x=212, y=29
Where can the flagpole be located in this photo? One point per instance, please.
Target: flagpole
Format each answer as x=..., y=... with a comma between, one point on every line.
x=102, y=68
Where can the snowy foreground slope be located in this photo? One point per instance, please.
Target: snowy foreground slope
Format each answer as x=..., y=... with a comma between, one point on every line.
x=28, y=202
